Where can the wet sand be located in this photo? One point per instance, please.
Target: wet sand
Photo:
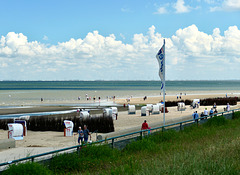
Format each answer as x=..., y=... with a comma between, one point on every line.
x=58, y=106
x=32, y=109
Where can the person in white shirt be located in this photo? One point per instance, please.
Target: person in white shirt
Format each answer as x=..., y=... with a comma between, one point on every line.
x=205, y=112
x=228, y=107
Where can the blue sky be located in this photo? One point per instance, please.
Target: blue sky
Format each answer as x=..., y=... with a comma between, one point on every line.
x=118, y=40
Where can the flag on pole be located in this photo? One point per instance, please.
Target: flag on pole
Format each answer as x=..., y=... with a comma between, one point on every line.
x=161, y=61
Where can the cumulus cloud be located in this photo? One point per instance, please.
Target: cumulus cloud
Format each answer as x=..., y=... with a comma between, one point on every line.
x=231, y=4
x=178, y=7
x=193, y=42
x=181, y=7
x=227, y=5
x=122, y=36
x=161, y=10
x=104, y=57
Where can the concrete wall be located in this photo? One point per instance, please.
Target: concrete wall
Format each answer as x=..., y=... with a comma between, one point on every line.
x=7, y=143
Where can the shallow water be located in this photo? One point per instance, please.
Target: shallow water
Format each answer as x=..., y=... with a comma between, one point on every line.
x=25, y=93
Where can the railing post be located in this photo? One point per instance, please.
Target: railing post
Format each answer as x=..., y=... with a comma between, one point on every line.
x=162, y=129
x=180, y=126
x=141, y=135
x=112, y=143
x=32, y=159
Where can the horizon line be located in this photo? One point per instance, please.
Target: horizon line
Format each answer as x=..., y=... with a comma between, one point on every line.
x=122, y=80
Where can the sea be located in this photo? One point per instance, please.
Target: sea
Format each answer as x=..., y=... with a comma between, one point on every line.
x=23, y=93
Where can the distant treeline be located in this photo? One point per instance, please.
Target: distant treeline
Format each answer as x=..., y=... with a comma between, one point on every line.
x=207, y=101
x=55, y=123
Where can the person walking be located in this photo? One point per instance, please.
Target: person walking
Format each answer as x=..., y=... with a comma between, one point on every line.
x=144, y=127
x=214, y=105
x=86, y=133
x=228, y=107
x=211, y=112
x=80, y=135
x=195, y=116
x=205, y=112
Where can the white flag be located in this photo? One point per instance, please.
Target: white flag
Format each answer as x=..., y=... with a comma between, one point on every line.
x=161, y=61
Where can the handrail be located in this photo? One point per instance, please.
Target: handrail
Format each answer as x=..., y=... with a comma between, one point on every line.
x=112, y=138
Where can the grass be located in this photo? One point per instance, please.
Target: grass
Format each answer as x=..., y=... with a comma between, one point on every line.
x=88, y=158
x=210, y=148
x=27, y=169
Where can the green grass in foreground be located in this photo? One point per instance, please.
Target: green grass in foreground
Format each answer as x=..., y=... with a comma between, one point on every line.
x=211, y=148
x=28, y=168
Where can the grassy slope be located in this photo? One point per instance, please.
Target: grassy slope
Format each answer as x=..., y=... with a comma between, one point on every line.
x=207, y=149
x=212, y=148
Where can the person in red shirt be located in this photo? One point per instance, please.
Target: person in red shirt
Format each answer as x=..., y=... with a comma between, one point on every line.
x=144, y=125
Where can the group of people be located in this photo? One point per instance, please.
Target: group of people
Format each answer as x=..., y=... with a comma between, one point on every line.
x=205, y=113
x=95, y=98
x=83, y=135
x=180, y=97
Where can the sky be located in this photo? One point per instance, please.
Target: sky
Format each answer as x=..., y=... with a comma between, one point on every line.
x=119, y=40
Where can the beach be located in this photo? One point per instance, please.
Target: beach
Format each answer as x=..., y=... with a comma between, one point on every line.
x=157, y=99
x=75, y=93
x=23, y=98
x=39, y=142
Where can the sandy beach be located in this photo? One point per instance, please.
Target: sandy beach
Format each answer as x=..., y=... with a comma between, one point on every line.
x=154, y=100
x=38, y=142
x=58, y=106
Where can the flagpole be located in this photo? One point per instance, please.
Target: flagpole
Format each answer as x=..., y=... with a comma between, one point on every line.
x=161, y=61
x=164, y=84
